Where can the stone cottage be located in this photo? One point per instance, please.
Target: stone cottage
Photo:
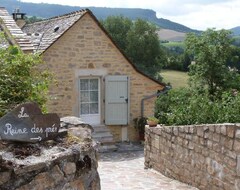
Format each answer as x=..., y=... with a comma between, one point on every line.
x=95, y=79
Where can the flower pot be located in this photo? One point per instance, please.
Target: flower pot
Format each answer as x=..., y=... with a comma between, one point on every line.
x=152, y=123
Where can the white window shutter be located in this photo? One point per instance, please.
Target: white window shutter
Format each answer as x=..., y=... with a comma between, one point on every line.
x=116, y=100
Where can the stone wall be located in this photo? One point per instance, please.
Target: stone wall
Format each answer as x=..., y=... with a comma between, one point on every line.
x=65, y=163
x=204, y=156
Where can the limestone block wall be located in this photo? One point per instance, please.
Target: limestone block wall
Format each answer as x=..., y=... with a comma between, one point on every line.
x=65, y=163
x=204, y=156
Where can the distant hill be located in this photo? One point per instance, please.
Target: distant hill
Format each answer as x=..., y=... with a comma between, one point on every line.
x=171, y=35
x=45, y=10
x=146, y=14
x=236, y=31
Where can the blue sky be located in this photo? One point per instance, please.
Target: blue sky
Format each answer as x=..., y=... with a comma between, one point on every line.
x=196, y=14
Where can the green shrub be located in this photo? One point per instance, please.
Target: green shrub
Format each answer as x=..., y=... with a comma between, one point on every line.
x=20, y=79
x=184, y=107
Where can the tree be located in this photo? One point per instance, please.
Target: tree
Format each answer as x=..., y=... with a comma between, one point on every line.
x=209, y=70
x=214, y=96
x=143, y=47
x=20, y=79
x=139, y=41
x=118, y=27
x=32, y=19
x=234, y=61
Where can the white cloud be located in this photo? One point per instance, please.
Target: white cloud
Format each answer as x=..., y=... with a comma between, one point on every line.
x=223, y=15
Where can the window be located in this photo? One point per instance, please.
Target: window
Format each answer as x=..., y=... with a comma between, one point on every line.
x=89, y=98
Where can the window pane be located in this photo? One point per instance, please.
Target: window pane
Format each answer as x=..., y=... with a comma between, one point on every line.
x=94, y=96
x=84, y=108
x=85, y=96
x=84, y=84
x=93, y=84
x=93, y=108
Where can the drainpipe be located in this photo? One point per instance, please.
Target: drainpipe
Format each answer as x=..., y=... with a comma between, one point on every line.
x=165, y=90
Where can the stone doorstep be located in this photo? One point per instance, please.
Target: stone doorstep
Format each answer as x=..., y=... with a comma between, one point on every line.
x=107, y=148
x=100, y=129
x=104, y=138
x=102, y=134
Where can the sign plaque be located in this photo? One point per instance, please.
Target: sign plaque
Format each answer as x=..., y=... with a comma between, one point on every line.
x=26, y=123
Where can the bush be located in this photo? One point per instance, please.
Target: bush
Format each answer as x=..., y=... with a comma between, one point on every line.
x=184, y=107
x=20, y=80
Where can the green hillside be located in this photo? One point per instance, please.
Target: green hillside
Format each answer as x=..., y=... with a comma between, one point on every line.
x=45, y=10
x=236, y=31
x=177, y=79
x=172, y=44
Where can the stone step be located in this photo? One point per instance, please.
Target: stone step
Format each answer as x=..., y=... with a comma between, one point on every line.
x=103, y=136
x=100, y=129
x=107, y=148
x=103, y=139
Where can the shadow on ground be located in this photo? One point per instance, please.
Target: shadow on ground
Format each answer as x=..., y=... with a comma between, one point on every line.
x=126, y=151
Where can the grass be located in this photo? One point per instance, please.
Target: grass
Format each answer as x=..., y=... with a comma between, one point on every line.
x=177, y=79
x=173, y=44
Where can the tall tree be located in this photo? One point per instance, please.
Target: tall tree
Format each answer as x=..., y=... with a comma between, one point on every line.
x=143, y=47
x=139, y=41
x=209, y=70
x=118, y=27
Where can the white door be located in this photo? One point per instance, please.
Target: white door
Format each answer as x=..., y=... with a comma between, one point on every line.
x=116, y=100
x=89, y=100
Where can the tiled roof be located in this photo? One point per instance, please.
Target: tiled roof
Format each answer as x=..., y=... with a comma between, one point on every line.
x=46, y=32
x=13, y=32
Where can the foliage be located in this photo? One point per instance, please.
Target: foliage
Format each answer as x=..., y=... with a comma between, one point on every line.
x=143, y=47
x=165, y=103
x=234, y=60
x=211, y=51
x=175, y=46
x=177, y=58
x=118, y=27
x=32, y=19
x=213, y=96
x=139, y=41
x=184, y=107
x=236, y=41
x=152, y=118
x=20, y=80
x=139, y=124
x=174, y=62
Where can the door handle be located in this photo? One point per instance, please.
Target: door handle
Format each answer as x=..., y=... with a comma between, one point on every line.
x=126, y=100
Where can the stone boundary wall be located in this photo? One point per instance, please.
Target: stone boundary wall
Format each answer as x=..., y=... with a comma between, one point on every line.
x=204, y=156
x=66, y=163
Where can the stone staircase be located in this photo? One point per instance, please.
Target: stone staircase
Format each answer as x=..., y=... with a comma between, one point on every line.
x=103, y=136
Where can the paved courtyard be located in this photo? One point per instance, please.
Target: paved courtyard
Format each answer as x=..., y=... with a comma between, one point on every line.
x=124, y=170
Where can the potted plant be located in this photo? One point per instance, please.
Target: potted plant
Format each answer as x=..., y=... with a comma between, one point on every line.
x=139, y=125
x=152, y=121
